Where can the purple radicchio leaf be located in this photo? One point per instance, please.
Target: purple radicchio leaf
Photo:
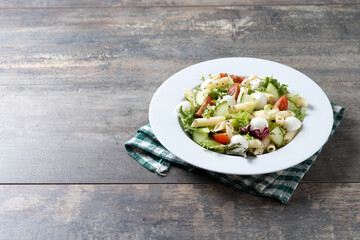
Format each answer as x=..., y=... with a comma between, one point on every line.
x=257, y=133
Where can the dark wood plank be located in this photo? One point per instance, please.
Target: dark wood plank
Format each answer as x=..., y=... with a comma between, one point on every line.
x=73, y=134
x=109, y=46
x=166, y=3
x=316, y=211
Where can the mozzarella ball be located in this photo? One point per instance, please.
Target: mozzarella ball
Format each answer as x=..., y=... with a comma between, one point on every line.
x=230, y=99
x=205, y=83
x=258, y=123
x=260, y=100
x=292, y=124
x=186, y=106
x=256, y=83
x=238, y=139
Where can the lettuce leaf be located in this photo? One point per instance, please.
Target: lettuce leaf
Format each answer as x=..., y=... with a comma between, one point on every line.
x=214, y=146
x=282, y=88
x=187, y=118
x=300, y=113
x=241, y=119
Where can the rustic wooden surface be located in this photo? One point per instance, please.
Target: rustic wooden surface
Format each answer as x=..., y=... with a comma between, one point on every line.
x=76, y=79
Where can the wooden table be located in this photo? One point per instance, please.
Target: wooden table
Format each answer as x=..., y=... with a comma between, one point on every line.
x=76, y=79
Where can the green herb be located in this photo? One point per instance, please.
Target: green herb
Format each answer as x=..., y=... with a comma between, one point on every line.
x=202, y=79
x=186, y=120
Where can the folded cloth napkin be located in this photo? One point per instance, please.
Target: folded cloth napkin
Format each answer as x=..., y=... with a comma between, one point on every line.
x=147, y=150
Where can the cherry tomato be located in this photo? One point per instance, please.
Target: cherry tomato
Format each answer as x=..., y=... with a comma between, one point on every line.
x=221, y=138
x=202, y=108
x=234, y=90
x=282, y=103
x=237, y=79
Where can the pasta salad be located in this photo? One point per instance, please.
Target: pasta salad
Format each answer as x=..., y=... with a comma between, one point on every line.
x=241, y=115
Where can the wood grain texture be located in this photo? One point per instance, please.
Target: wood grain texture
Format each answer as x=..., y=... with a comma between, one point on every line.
x=75, y=84
x=110, y=46
x=163, y=3
x=201, y=211
x=76, y=79
x=67, y=134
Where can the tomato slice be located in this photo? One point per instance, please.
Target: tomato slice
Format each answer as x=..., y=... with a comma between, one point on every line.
x=234, y=90
x=221, y=138
x=202, y=108
x=282, y=103
x=235, y=78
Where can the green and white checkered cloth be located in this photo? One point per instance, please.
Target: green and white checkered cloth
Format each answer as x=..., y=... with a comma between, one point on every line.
x=146, y=149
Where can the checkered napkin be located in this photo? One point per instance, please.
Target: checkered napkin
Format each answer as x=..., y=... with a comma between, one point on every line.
x=146, y=149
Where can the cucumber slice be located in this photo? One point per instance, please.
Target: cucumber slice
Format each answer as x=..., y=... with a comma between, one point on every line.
x=222, y=109
x=204, y=130
x=199, y=136
x=291, y=105
x=271, y=88
x=247, y=98
x=277, y=136
x=201, y=95
x=238, y=100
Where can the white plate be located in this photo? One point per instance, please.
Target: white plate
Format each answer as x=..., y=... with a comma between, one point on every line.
x=313, y=135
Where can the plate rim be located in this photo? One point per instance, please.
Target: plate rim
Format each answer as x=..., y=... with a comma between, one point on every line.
x=195, y=146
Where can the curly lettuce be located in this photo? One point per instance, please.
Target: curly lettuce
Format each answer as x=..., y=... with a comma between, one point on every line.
x=300, y=113
x=282, y=88
x=241, y=119
x=187, y=117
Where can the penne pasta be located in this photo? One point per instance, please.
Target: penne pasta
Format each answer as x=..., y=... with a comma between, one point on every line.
x=283, y=114
x=261, y=113
x=270, y=98
x=265, y=142
x=205, y=122
x=271, y=147
x=273, y=112
x=220, y=126
x=300, y=101
x=255, y=143
x=279, y=120
x=242, y=106
x=221, y=82
x=289, y=136
x=229, y=131
x=258, y=151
